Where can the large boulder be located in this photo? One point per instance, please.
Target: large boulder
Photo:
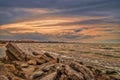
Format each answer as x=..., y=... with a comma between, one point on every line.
x=14, y=53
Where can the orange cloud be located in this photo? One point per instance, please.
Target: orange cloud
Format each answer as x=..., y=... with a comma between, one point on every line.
x=85, y=33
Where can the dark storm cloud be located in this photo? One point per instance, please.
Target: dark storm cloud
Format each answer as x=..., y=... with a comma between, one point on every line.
x=65, y=7
x=4, y=19
x=73, y=6
x=62, y=4
x=25, y=3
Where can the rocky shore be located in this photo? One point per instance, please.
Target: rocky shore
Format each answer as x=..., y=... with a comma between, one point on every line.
x=17, y=65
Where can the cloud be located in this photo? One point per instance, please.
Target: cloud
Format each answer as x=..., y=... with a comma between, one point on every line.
x=46, y=33
x=64, y=20
x=100, y=20
x=77, y=30
x=17, y=36
x=24, y=8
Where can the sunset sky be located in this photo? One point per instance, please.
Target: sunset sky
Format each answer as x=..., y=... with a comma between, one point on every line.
x=86, y=21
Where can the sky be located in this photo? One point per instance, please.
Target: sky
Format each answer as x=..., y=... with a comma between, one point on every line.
x=86, y=21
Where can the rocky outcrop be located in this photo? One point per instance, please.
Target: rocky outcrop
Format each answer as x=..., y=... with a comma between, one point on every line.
x=21, y=66
x=14, y=53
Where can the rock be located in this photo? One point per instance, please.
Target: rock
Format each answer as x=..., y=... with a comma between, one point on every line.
x=14, y=53
x=3, y=77
x=2, y=51
x=18, y=64
x=10, y=67
x=87, y=73
x=48, y=55
x=32, y=62
x=115, y=77
x=98, y=72
x=29, y=71
x=49, y=77
x=49, y=68
x=40, y=61
x=11, y=57
x=74, y=71
x=36, y=74
x=24, y=65
x=17, y=78
x=111, y=72
x=35, y=53
x=20, y=74
x=103, y=77
x=21, y=66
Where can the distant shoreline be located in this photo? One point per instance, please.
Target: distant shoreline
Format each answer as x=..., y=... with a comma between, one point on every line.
x=17, y=41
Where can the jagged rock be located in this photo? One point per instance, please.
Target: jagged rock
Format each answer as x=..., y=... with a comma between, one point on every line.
x=48, y=55
x=46, y=58
x=11, y=57
x=88, y=74
x=14, y=53
x=74, y=71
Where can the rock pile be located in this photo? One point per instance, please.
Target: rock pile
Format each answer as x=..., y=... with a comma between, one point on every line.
x=20, y=66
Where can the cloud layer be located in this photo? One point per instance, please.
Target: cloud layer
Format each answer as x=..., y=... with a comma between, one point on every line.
x=60, y=20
